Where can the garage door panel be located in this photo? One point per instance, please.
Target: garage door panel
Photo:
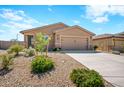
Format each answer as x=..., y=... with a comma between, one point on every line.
x=73, y=43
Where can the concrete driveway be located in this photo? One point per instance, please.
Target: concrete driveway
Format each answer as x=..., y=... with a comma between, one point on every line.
x=110, y=66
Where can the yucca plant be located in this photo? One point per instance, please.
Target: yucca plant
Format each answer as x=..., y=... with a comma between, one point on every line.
x=16, y=48
x=6, y=60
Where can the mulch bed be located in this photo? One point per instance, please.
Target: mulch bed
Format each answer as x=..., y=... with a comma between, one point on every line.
x=21, y=74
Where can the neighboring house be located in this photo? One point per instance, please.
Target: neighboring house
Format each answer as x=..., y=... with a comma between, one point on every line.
x=121, y=33
x=62, y=36
x=109, y=42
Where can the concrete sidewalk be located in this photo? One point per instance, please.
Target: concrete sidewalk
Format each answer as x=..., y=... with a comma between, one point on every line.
x=110, y=66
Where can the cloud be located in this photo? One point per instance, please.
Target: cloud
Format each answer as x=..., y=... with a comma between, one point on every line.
x=76, y=21
x=31, y=20
x=100, y=19
x=13, y=25
x=15, y=21
x=16, y=15
x=100, y=14
x=2, y=31
x=11, y=15
x=50, y=9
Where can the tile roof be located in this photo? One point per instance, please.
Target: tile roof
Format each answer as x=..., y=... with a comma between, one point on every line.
x=107, y=35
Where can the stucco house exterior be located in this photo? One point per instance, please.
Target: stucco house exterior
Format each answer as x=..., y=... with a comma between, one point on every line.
x=62, y=36
x=109, y=42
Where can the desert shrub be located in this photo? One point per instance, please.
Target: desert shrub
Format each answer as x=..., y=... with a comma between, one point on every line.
x=9, y=51
x=29, y=52
x=56, y=49
x=86, y=78
x=41, y=64
x=95, y=47
x=7, y=61
x=16, y=48
x=121, y=51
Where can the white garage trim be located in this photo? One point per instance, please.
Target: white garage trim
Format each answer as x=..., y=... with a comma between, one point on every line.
x=73, y=36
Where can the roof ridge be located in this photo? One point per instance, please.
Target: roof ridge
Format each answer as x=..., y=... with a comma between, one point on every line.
x=107, y=35
x=75, y=26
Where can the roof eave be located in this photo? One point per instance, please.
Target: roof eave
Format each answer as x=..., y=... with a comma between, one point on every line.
x=24, y=31
x=86, y=30
x=21, y=32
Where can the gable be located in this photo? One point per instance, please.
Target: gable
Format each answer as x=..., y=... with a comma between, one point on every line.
x=75, y=31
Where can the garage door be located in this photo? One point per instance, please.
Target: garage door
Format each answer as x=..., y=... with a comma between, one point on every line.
x=73, y=43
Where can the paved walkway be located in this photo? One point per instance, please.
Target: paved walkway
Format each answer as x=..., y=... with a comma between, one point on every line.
x=110, y=66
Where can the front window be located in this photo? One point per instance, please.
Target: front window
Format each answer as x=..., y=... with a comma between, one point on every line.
x=46, y=37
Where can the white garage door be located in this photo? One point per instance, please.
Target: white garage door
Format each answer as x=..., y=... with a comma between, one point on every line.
x=73, y=43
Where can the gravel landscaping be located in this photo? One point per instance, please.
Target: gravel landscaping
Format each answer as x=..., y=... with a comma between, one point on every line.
x=59, y=77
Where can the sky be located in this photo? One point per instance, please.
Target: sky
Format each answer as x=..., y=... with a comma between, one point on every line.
x=97, y=19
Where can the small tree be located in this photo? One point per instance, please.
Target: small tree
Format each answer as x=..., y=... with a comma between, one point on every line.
x=40, y=42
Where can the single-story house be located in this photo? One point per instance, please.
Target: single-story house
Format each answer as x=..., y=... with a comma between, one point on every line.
x=109, y=42
x=62, y=36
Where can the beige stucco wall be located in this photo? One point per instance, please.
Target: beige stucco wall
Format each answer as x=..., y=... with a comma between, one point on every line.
x=46, y=31
x=51, y=43
x=119, y=44
x=103, y=44
x=107, y=44
x=73, y=32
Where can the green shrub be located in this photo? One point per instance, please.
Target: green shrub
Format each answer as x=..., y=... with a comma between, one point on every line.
x=56, y=49
x=29, y=52
x=86, y=78
x=41, y=64
x=7, y=61
x=121, y=51
x=95, y=47
x=15, y=49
